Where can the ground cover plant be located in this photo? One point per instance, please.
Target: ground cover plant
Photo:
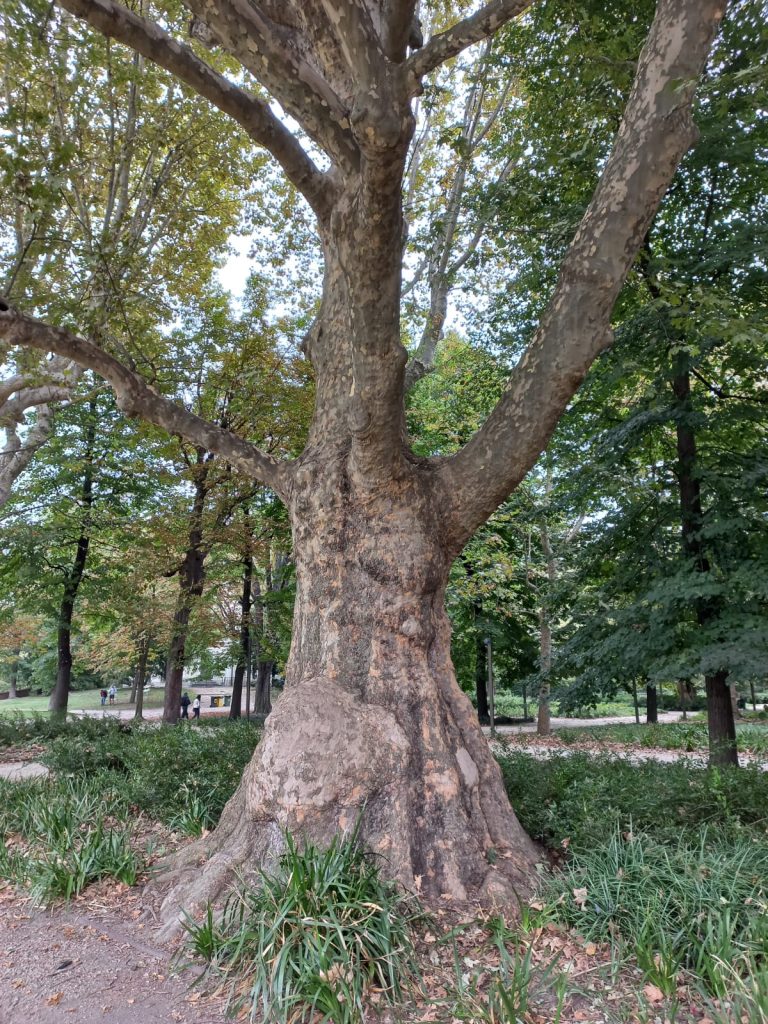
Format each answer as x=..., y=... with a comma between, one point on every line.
x=665, y=861
x=62, y=834
x=313, y=940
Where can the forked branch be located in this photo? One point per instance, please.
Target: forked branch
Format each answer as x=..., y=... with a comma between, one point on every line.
x=136, y=398
x=450, y=43
x=655, y=133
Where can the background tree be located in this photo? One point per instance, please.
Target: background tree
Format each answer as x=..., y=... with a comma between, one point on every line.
x=371, y=697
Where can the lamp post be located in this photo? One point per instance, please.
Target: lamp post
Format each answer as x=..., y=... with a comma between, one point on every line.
x=489, y=645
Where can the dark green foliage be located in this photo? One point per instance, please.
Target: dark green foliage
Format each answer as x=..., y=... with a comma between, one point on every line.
x=584, y=798
x=181, y=775
x=309, y=941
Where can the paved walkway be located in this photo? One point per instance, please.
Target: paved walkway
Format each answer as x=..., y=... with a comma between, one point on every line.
x=15, y=771
x=582, y=723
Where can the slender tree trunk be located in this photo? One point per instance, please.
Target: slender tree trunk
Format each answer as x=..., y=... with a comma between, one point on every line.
x=635, y=703
x=651, y=705
x=481, y=678
x=722, y=729
x=14, y=678
x=60, y=696
x=141, y=677
x=752, y=694
x=191, y=581
x=262, y=703
x=543, y=719
x=235, y=708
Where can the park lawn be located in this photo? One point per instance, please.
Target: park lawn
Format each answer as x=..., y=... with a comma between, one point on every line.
x=80, y=700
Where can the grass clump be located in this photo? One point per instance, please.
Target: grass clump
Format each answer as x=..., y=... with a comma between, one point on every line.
x=63, y=834
x=315, y=940
x=696, y=905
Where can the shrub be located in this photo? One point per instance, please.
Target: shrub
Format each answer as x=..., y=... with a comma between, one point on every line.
x=312, y=940
x=181, y=775
x=585, y=798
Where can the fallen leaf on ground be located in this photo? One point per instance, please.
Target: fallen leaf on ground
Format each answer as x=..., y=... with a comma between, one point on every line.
x=653, y=994
x=55, y=999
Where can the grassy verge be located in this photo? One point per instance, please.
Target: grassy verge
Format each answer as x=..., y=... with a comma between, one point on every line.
x=668, y=863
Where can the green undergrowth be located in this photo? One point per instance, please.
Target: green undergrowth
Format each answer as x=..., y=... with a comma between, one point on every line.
x=59, y=835
x=667, y=862
x=698, y=904
x=313, y=941
x=584, y=799
x=179, y=775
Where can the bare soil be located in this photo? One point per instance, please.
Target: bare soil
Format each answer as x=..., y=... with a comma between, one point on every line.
x=92, y=961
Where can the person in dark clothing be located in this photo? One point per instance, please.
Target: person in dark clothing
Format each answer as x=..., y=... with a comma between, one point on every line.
x=185, y=702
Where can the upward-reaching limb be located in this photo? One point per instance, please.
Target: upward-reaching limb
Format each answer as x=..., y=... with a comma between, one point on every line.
x=656, y=130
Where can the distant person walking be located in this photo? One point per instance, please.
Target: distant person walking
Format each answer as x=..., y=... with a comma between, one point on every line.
x=185, y=702
x=103, y=695
x=196, y=706
x=112, y=693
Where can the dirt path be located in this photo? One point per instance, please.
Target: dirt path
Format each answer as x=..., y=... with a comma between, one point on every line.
x=83, y=966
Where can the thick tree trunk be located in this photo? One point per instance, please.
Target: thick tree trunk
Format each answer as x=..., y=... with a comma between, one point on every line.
x=371, y=716
x=720, y=720
x=651, y=705
x=235, y=708
x=262, y=701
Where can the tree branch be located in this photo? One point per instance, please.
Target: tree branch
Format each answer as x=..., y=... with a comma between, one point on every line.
x=655, y=133
x=267, y=50
x=254, y=116
x=450, y=43
x=136, y=398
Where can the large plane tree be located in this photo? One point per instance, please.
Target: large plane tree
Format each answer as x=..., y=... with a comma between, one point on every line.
x=372, y=719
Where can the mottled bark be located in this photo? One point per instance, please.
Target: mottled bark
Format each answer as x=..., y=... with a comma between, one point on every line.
x=722, y=728
x=371, y=716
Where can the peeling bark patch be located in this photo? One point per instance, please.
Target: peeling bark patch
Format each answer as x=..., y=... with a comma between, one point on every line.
x=468, y=767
